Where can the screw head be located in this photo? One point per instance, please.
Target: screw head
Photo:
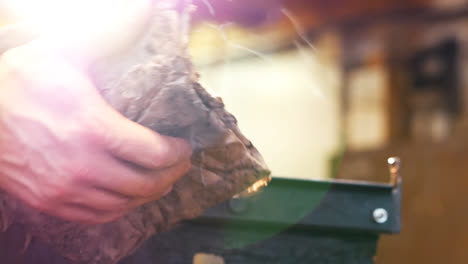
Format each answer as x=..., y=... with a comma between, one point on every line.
x=380, y=215
x=393, y=161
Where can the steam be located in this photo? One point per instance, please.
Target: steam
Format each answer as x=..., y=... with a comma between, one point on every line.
x=222, y=33
x=298, y=27
x=209, y=6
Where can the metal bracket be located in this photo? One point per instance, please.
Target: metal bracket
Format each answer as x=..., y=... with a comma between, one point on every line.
x=336, y=204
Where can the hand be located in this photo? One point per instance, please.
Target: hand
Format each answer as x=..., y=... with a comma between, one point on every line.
x=66, y=152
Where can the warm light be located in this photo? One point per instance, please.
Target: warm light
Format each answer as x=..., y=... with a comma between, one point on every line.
x=101, y=24
x=258, y=185
x=54, y=15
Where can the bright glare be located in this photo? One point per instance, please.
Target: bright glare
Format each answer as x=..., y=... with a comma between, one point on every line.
x=83, y=23
x=54, y=15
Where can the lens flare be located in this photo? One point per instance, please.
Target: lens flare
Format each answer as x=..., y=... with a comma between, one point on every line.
x=102, y=25
x=54, y=15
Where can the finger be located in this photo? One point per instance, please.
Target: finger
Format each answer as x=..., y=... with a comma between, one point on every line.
x=154, y=185
x=112, y=202
x=100, y=199
x=136, y=144
x=84, y=215
x=155, y=197
x=134, y=182
x=59, y=208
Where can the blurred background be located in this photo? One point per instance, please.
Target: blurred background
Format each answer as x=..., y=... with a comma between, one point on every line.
x=331, y=88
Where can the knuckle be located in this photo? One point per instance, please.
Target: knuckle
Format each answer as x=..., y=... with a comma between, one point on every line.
x=78, y=173
x=91, y=131
x=107, y=138
x=97, y=131
x=83, y=174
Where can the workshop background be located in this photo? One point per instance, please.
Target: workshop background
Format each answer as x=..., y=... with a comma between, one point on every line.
x=331, y=88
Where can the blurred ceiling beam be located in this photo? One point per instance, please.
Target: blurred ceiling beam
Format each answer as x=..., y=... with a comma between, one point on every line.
x=310, y=13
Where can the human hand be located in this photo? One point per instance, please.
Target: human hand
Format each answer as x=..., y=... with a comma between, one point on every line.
x=66, y=152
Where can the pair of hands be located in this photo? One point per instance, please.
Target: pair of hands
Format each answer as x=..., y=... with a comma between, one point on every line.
x=66, y=152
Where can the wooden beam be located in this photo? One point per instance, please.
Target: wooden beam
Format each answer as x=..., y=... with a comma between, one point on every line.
x=310, y=13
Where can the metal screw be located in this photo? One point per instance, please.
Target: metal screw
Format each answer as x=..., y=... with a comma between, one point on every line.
x=392, y=161
x=394, y=166
x=380, y=215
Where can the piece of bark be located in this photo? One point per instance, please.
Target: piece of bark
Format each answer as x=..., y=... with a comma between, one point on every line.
x=154, y=84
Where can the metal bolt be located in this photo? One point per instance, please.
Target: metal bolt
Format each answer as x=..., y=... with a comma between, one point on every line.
x=392, y=161
x=394, y=166
x=380, y=215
